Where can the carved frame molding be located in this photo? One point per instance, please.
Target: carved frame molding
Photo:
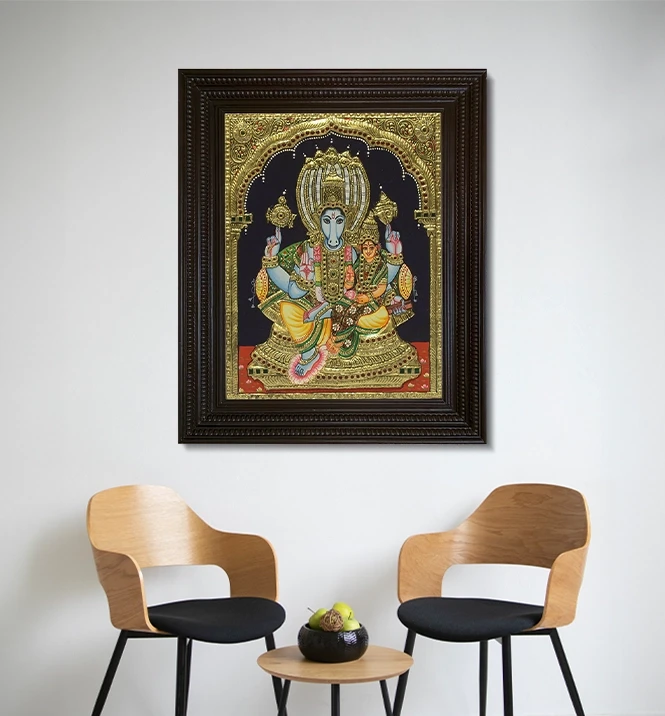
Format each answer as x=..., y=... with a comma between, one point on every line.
x=204, y=97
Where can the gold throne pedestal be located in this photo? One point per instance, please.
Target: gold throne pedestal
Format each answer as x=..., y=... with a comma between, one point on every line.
x=382, y=361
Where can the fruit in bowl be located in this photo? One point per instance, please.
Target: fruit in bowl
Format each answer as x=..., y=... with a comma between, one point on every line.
x=344, y=609
x=333, y=636
x=315, y=620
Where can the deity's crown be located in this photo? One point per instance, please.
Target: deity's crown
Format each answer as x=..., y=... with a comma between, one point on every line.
x=369, y=231
x=329, y=180
x=332, y=191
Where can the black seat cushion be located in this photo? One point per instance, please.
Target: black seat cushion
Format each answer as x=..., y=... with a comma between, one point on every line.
x=223, y=621
x=466, y=619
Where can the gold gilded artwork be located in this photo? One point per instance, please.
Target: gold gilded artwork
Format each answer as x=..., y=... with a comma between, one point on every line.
x=333, y=240
x=331, y=256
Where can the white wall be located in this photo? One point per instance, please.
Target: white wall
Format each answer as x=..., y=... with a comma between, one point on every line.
x=88, y=150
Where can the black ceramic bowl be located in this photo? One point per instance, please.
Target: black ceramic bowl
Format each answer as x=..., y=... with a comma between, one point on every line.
x=332, y=647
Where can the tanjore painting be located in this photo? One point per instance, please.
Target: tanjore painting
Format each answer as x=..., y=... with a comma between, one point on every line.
x=333, y=233
x=331, y=256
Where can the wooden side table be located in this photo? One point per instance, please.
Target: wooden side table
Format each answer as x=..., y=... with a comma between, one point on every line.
x=377, y=664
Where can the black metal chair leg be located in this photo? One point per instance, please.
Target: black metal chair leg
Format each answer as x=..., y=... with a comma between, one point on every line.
x=482, y=679
x=401, y=682
x=567, y=674
x=507, y=676
x=276, y=681
x=110, y=673
x=188, y=672
x=334, y=700
x=182, y=677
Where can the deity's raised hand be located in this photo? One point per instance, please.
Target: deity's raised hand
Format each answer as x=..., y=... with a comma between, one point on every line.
x=393, y=241
x=397, y=305
x=273, y=243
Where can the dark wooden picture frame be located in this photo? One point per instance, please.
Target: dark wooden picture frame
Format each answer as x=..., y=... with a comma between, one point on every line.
x=210, y=101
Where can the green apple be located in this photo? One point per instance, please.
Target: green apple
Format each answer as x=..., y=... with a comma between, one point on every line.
x=344, y=609
x=351, y=624
x=315, y=619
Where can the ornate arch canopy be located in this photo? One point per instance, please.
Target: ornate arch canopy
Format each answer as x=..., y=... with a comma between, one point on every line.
x=253, y=139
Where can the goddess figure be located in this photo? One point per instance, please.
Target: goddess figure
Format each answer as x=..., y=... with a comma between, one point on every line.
x=336, y=298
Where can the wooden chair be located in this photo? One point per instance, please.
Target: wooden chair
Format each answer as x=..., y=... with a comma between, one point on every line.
x=525, y=524
x=139, y=526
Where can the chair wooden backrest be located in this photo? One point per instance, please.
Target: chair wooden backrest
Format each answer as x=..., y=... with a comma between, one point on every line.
x=138, y=526
x=524, y=524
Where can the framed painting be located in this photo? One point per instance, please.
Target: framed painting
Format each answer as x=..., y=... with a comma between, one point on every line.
x=331, y=256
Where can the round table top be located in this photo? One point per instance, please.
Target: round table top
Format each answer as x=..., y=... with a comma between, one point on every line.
x=376, y=664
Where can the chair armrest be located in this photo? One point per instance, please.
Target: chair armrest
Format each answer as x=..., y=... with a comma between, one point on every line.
x=563, y=587
x=122, y=581
x=250, y=563
x=423, y=561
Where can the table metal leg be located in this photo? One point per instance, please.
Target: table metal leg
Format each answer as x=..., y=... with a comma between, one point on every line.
x=284, y=698
x=276, y=681
x=334, y=699
x=386, y=698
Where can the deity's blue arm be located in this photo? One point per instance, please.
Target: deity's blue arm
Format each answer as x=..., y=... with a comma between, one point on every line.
x=283, y=281
x=295, y=291
x=278, y=275
x=392, y=272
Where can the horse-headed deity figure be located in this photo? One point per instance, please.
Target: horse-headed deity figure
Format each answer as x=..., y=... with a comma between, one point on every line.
x=336, y=298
